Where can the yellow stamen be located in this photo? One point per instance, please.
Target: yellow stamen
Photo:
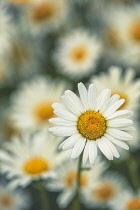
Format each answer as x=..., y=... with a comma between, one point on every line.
x=91, y=125
x=43, y=111
x=44, y=11
x=79, y=53
x=6, y=201
x=70, y=179
x=135, y=31
x=133, y=204
x=36, y=166
x=105, y=192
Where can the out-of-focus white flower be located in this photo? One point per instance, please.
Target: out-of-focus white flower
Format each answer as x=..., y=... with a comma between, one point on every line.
x=32, y=104
x=6, y=30
x=77, y=53
x=67, y=177
x=32, y=158
x=128, y=200
x=13, y=199
x=45, y=15
x=92, y=122
x=122, y=84
x=20, y=2
x=103, y=191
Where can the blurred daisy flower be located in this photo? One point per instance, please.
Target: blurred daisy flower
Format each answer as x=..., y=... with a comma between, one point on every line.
x=30, y=159
x=92, y=122
x=19, y=2
x=124, y=85
x=6, y=30
x=46, y=15
x=103, y=191
x=128, y=200
x=13, y=199
x=77, y=53
x=32, y=103
x=67, y=177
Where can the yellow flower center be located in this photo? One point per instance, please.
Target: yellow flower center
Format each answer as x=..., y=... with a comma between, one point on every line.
x=105, y=192
x=36, y=166
x=44, y=11
x=43, y=111
x=112, y=38
x=133, y=204
x=135, y=31
x=79, y=53
x=122, y=96
x=20, y=1
x=91, y=125
x=6, y=201
x=70, y=179
x=10, y=129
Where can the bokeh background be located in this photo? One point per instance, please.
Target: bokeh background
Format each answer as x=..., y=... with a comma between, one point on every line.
x=36, y=42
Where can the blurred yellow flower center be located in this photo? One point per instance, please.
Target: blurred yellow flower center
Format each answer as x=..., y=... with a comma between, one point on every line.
x=44, y=11
x=135, y=31
x=43, y=111
x=79, y=53
x=122, y=96
x=112, y=37
x=10, y=129
x=105, y=192
x=6, y=201
x=91, y=125
x=36, y=166
x=19, y=1
x=70, y=179
x=134, y=204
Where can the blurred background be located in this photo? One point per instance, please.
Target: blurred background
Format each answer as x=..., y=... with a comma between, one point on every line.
x=47, y=47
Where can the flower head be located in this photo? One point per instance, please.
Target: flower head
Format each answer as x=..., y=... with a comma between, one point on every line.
x=92, y=121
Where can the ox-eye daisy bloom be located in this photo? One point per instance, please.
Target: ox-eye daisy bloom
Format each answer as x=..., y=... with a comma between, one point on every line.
x=103, y=191
x=32, y=104
x=67, y=177
x=77, y=53
x=13, y=199
x=128, y=200
x=46, y=15
x=123, y=85
x=31, y=159
x=92, y=121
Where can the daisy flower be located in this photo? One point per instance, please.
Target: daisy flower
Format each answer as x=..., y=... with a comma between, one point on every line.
x=91, y=122
x=124, y=85
x=13, y=199
x=128, y=200
x=6, y=30
x=19, y=2
x=67, y=177
x=31, y=159
x=32, y=103
x=77, y=53
x=45, y=15
x=102, y=192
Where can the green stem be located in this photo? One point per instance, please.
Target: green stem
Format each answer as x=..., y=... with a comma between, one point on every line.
x=76, y=203
x=43, y=196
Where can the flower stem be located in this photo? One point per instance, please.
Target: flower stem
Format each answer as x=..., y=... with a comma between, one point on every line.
x=43, y=196
x=76, y=204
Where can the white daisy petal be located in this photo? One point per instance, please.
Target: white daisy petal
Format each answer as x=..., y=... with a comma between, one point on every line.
x=119, y=123
x=112, y=147
x=78, y=148
x=69, y=142
x=85, y=153
x=66, y=115
x=63, y=131
x=105, y=149
x=83, y=94
x=92, y=152
x=62, y=122
x=104, y=100
x=92, y=94
x=113, y=107
x=118, y=134
x=113, y=99
x=128, y=128
x=120, y=114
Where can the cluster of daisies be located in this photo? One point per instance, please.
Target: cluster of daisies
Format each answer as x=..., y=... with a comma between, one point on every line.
x=69, y=91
